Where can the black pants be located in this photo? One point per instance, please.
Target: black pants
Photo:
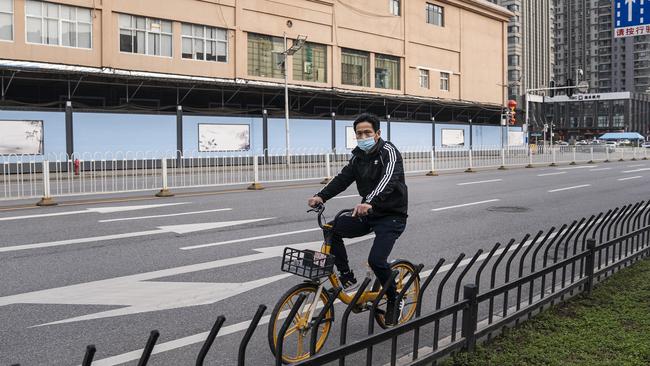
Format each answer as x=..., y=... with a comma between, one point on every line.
x=387, y=230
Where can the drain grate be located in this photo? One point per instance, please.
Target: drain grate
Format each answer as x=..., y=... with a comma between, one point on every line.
x=508, y=209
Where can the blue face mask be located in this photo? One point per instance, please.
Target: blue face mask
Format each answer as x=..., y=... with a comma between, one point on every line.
x=366, y=144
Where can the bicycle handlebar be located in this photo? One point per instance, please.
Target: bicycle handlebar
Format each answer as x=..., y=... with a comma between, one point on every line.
x=320, y=208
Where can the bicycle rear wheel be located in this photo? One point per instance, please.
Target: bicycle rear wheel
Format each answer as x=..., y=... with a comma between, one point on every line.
x=406, y=270
x=295, y=345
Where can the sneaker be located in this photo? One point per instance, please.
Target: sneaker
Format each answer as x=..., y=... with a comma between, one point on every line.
x=347, y=280
x=393, y=311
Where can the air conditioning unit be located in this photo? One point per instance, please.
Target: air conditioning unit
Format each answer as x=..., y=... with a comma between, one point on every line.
x=320, y=74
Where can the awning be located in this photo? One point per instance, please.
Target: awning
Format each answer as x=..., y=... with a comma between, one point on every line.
x=622, y=136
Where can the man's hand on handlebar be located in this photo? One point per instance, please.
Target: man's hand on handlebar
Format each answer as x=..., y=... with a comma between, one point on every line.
x=362, y=209
x=315, y=201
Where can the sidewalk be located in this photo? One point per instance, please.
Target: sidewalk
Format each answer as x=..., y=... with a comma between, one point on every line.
x=612, y=327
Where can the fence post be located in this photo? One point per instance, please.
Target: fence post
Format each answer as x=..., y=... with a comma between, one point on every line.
x=574, y=156
x=590, y=263
x=606, y=154
x=503, y=159
x=622, y=154
x=553, y=163
x=591, y=158
x=634, y=154
x=645, y=153
x=256, y=185
x=470, y=317
x=47, y=199
x=470, y=170
x=328, y=173
x=433, y=173
x=530, y=157
x=164, y=192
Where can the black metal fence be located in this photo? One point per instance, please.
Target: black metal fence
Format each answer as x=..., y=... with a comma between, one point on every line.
x=524, y=277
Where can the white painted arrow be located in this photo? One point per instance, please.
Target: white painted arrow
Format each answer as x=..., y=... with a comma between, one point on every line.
x=101, y=210
x=139, y=294
x=178, y=229
x=630, y=9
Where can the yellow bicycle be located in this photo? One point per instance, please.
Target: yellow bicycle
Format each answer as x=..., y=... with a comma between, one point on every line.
x=317, y=268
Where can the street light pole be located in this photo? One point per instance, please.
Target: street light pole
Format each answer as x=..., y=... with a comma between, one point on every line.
x=286, y=100
x=289, y=51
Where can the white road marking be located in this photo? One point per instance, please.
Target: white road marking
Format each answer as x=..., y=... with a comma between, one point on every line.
x=636, y=170
x=547, y=174
x=599, y=169
x=349, y=196
x=167, y=215
x=568, y=188
x=479, y=182
x=249, y=239
x=139, y=293
x=628, y=178
x=635, y=165
x=464, y=205
x=101, y=210
x=178, y=229
x=577, y=167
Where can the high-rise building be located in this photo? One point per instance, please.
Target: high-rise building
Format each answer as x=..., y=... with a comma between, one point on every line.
x=584, y=32
x=530, y=45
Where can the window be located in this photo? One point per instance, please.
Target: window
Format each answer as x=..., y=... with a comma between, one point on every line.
x=387, y=72
x=59, y=25
x=513, y=40
x=513, y=60
x=147, y=36
x=395, y=7
x=265, y=56
x=310, y=63
x=424, y=79
x=444, y=81
x=355, y=68
x=204, y=43
x=7, y=20
x=435, y=15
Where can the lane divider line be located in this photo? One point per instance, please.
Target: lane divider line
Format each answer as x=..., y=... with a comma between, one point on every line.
x=479, y=182
x=248, y=239
x=568, y=188
x=166, y=215
x=464, y=205
x=628, y=178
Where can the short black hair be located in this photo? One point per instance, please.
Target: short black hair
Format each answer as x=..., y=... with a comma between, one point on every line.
x=367, y=117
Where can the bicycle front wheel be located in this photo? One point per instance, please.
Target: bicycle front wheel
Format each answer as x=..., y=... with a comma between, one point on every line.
x=295, y=346
x=405, y=271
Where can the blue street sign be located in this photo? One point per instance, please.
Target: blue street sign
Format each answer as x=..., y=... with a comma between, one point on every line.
x=631, y=18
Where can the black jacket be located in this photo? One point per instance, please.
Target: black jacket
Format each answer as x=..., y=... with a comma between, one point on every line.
x=380, y=180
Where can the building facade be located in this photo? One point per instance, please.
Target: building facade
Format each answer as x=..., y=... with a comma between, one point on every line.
x=530, y=45
x=585, y=41
x=588, y=116
x=416, y=60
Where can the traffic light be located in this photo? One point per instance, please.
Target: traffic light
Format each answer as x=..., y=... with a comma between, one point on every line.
x=569, y=85
x=552, y=91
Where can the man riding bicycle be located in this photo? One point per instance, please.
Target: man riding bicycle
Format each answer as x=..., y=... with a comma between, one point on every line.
x=376, y=166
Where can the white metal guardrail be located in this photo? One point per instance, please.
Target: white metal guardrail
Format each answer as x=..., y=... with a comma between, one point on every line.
x=31, y=176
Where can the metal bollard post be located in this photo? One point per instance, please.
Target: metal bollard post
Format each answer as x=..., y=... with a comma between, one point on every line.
x=591, y=160
x=590, y=264
x=470, y=317
x=47, y=199
x=256, y=185
x=433, y=173
x=328, y=173
x=164, y=192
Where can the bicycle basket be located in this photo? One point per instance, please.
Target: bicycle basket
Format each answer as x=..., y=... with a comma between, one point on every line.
x=307, y=263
